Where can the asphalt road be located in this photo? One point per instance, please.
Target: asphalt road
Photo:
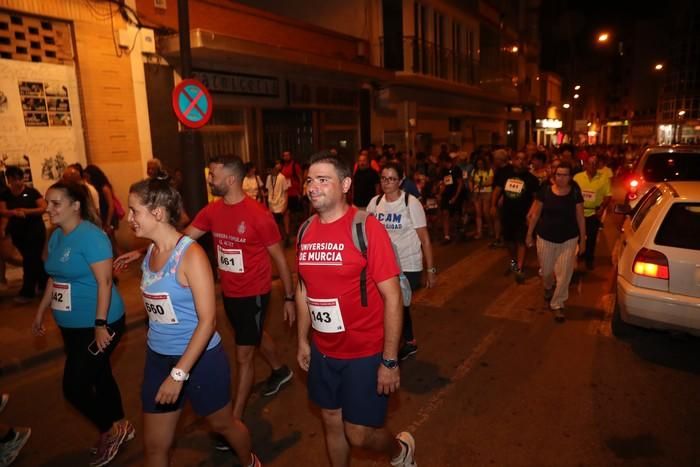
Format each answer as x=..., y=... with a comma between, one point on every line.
x=496, y=382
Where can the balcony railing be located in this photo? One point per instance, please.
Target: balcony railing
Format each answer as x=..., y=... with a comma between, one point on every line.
x=428, y=58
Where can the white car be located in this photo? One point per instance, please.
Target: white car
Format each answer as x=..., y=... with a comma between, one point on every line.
x=658, y=261
x=658, y=164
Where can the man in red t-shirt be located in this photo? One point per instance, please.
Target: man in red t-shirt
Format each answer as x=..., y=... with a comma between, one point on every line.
x=352, y=360
x=245, y=237
x=292, y=171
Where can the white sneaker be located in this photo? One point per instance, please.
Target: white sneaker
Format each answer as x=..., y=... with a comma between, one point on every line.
x=408, y=451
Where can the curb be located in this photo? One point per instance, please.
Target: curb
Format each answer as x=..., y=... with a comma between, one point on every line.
x=14, y=366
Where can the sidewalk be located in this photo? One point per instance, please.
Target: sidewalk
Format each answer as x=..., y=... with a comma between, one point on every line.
x=21, y=350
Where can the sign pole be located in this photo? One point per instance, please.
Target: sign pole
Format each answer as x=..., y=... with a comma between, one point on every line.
x=194, y=186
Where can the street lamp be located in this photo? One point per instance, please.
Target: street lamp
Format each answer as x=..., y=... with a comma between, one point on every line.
x=603, y=37
x=681, y=113
x=576, y=96
x=577, y=87
x=659, y=66
x=566, y=106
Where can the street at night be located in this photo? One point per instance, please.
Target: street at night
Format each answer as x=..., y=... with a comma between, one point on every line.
x=496, y=381
x=349, y=232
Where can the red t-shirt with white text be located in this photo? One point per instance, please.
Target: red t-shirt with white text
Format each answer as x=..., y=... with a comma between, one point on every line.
x=330, y=267
x=242, y=233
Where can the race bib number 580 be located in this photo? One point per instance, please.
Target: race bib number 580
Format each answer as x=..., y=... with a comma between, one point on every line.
x=325, y=315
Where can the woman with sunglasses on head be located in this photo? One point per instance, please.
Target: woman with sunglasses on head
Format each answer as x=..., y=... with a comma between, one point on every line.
x=557, y=218
x=89, y=312
x=184, y=358
x=403, y=217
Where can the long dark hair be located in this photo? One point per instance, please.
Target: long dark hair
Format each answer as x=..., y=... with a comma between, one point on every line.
x=98, y=179
x=79, y=192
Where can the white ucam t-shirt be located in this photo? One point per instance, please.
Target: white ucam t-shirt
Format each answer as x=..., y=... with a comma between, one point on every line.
x=401, y=222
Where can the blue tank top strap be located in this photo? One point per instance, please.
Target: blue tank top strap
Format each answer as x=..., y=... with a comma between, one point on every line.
x=176, y=256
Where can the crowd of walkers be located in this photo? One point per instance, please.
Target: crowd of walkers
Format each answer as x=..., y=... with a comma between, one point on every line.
x=366, y=225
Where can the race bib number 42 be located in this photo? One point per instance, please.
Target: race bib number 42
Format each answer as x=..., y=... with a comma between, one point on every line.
x=231, y=260
x=60, y=296
x=159, y=308
x=325, y=315
x=514, y=185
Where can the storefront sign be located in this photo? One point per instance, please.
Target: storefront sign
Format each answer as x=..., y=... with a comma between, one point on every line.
x=238, y=83
x=550, y=123
x=192, y=103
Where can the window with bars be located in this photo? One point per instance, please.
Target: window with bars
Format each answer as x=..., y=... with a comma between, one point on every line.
x=33, y=39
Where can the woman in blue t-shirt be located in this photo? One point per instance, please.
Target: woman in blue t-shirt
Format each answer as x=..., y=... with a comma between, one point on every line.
x=184, y=358
x=89, y=312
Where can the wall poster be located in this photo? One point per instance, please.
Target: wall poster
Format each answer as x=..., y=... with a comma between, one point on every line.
x=40, y=122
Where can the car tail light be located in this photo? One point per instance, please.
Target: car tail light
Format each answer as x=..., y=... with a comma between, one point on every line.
x=651, y=263
x=632, y=187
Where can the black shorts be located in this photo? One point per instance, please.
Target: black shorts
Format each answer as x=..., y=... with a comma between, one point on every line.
x=514, y=229
x=451, y=208
x=247, y=316
x=279, y=217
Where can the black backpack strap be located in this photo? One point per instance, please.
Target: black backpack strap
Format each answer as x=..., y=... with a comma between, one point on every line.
x=359, y=238
x=405, y=198
x=300, y=236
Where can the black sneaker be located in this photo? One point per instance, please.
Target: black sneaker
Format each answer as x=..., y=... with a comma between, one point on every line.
x=519, y=276
x=278, y=378
x=407, y=350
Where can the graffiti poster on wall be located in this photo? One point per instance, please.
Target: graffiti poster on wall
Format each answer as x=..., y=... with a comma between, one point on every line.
x=45, y=104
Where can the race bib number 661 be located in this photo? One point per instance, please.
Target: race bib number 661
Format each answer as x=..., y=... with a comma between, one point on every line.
x=231, y=260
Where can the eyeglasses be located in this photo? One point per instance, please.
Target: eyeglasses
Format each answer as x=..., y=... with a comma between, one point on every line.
x=389, y=179
x=562, y=175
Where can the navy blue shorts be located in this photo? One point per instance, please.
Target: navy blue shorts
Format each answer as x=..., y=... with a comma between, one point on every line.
x=350, y=385
x=208, y=389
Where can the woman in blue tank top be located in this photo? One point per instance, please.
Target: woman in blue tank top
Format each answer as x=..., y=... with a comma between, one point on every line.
x=184, y=359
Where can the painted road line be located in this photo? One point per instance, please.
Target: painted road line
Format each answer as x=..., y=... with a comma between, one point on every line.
x=436, y=401
x=454, y=279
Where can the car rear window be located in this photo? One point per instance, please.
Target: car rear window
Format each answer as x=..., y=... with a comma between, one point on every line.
x=666, y=166
x=681, y=227
x=651, y=199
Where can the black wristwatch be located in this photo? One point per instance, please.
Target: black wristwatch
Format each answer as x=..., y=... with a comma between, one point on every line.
x=289, y=298
x=100, y=322
x=390, y=363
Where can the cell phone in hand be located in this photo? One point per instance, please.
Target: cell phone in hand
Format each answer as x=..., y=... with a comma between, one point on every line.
x=93, y=349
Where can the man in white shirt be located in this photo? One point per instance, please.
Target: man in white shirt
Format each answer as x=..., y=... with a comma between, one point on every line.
x=276, y=186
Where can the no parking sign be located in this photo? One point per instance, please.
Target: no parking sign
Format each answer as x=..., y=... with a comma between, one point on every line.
x=192, y=103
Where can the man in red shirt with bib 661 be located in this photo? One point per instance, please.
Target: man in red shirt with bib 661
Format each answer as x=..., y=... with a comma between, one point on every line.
x=245, y=238
x=352, y=356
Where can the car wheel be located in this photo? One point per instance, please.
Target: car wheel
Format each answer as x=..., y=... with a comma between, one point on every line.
x=618, y=326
